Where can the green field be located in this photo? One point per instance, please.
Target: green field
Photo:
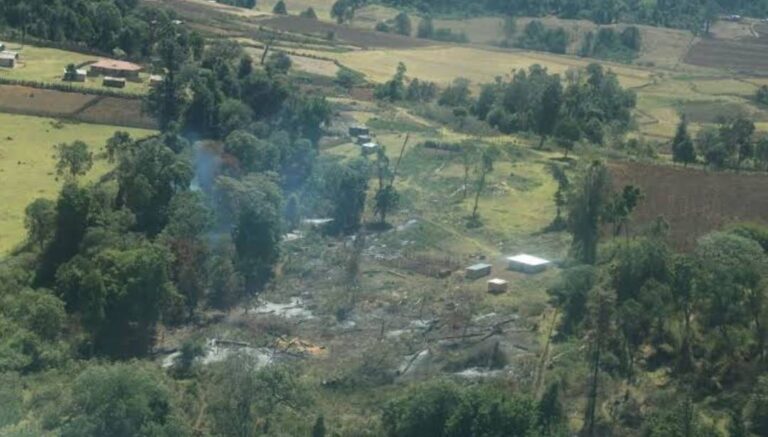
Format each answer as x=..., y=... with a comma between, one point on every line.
x=43, y=64
x=27, y=166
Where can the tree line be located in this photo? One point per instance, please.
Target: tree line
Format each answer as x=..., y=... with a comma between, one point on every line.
x=119, y=27
x=694, y=15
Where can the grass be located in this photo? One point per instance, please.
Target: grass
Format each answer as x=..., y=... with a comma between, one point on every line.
x=43, y=64
x=27, y=166
x=445, y=63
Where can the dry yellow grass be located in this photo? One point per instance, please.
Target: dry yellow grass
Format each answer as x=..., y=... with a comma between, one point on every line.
x=27, y=166
x=443, y=64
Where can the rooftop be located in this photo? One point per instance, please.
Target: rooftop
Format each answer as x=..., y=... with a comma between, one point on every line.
x=497, y=281
x=479, y=266
x=112, y=64
x=529, y=260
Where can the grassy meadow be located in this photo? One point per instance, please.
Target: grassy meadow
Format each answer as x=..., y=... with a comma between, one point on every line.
x=27, y=164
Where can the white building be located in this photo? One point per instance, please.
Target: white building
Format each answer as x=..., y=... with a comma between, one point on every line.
x=527, y=263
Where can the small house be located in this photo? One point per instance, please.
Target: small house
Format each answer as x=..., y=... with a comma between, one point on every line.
x=114, y=82
x=7, y=61
x=497, y=286
x=112, y=68
x=478, y=271
x=527, y=263
x=356, y=131
x=363, y=139
x=369, y=148
x=155, y=80
x=10, y=53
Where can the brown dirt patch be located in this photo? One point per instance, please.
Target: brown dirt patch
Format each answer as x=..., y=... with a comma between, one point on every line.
x=693, y=201
x=748, y=55
x=75, y=106
x=359, y=37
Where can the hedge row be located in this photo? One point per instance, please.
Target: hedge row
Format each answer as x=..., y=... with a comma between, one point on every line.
x=69, y=88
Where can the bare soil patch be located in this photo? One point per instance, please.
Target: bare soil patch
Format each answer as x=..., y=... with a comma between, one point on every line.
x=359, y=37
x=744, y=55
x=75, y=106
x=693, y=201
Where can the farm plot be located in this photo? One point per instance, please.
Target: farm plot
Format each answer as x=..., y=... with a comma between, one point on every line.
x=749, y=56
x=445, y=63
x=74, y=106
x=694, y=202
x=358, y=37
x=27, y=164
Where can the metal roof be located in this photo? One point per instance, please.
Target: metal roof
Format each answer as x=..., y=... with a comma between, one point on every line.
x=528, y=260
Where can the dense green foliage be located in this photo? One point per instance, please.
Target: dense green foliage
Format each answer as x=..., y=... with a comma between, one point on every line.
x=537, y=37
x=105, y=25
x=688, y=14
x=609, y=44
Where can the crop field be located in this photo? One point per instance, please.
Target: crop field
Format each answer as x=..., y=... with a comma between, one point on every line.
x=355, y=36
x=74, y=106
x=42, y=64
x=27, y=166
x=741, y=56
x=445, y=63
x=693, y=201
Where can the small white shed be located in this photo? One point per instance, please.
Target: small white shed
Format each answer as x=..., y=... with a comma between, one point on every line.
x=370, y=148
x=527, y=263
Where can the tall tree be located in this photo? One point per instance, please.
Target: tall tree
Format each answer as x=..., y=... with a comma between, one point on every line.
x=489, y=156
x=549, y=109
x=586, y=205
x=73, y=159
x=40, y=221
x=682, y=145
x=601, y=321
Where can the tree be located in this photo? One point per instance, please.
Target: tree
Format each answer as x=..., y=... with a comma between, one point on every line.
x=711, y=147
x=403, y=24
x=394, y=89
x=567, y=133
x=386, y=197
x=318, y=429
x=586, y=204
x=70, y=74
x=280, y=8
x=40, y=221
x=344, y=10
x=309, y=13
x=347, y=187
x=757, y=407
x=682, y=145
x=456, y=94
x=74, y=159
x=148, y=178
x=278, y=63
x=118, y=145
x=685, y=300
x=601, y=320
x=244, y=399
x=426, y=28
x=189, y=220
x=254, y=207
x=226, y=284
x=121, y=400
x=167, y=101
x=736, y=136
x=489, y=156
x=120, y=295
x=563, y=184
x=619, y=208
x=549, y=110
x=761, y=95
